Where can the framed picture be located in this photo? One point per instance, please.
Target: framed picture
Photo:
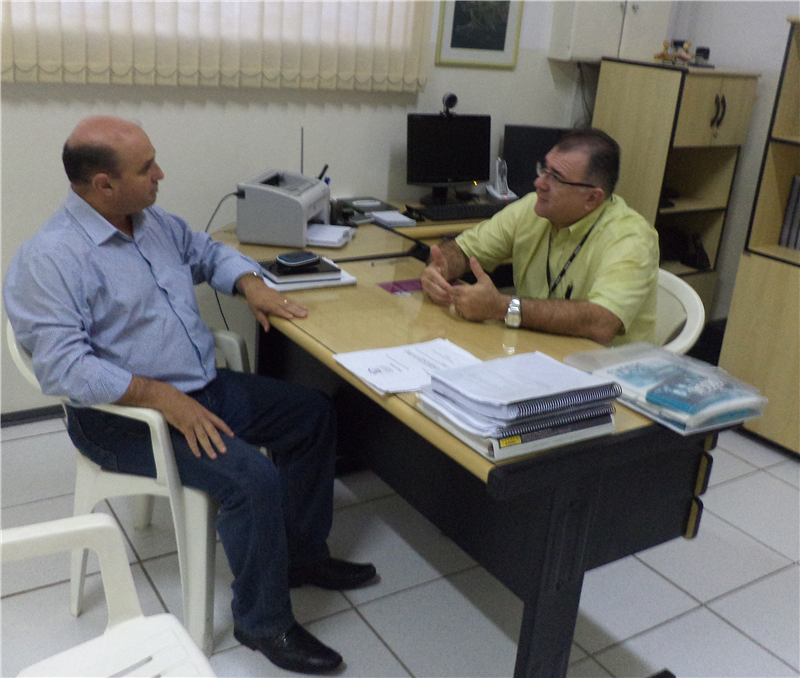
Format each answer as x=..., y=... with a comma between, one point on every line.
x=479, y=34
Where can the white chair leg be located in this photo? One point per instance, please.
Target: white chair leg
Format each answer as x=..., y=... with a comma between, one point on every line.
x=198, y=590
x=143, y=511
x=84, y=504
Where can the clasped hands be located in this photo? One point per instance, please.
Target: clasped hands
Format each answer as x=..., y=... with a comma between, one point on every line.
x=477, y=302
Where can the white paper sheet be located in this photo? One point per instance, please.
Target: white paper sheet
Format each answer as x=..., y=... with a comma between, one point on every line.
x=404, y=368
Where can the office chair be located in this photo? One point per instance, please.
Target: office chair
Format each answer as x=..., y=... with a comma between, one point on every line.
x=680, y=315
x=193, y=512
x=132, y=643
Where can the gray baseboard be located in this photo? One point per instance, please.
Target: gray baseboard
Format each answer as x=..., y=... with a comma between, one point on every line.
x=31, y=416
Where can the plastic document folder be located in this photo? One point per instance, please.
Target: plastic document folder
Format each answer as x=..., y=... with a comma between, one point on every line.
x=392, y=219
x=682, y=393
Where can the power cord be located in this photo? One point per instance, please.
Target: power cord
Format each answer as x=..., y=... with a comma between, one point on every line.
x=238, y=194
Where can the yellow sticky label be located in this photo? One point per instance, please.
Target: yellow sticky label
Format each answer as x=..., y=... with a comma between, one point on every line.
x=513, y=440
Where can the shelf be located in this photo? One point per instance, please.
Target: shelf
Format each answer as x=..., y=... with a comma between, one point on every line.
x=692, y=205
x=777, y=252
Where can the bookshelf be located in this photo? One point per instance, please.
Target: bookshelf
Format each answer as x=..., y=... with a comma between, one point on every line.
x=679, y=130
x=762, y=336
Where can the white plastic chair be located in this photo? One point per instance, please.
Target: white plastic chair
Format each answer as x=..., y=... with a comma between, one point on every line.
x=680, y=315
x=132, y=643
x=193, y=512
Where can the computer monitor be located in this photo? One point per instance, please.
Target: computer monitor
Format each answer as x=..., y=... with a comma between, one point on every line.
x=523, y=147
x=447, y=150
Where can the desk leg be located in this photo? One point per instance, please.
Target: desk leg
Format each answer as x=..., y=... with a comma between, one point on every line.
x=551, y=606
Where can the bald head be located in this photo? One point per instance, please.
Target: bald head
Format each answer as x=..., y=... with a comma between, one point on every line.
x=112, y=166
x=95, y=146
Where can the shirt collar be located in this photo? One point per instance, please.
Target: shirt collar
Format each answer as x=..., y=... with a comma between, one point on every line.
x=579, y=228
x=90, y=220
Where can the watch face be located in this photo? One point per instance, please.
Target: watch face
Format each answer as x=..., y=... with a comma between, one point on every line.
x=513, y=319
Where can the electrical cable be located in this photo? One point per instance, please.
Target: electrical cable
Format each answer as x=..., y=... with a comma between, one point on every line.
x=239, y=194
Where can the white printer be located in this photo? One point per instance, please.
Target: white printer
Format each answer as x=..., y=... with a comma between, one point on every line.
x=277, y=207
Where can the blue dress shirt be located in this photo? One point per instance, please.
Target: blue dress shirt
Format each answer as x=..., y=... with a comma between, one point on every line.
x=96, y=307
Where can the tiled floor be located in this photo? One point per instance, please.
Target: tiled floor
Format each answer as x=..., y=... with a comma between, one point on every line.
x=724, y=604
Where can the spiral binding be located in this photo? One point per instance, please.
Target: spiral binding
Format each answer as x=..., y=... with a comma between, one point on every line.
x=561, y=401
x=563, y=419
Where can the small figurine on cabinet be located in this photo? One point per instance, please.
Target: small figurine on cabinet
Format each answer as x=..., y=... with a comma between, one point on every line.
x=684, y=54
x=664, y=55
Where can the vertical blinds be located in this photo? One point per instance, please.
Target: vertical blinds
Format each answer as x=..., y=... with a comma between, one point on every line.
x=333, y=44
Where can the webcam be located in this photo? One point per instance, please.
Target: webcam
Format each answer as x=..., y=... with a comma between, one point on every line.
x=449, y=100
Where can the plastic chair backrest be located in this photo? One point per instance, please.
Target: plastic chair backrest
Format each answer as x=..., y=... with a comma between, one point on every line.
x=680, y=315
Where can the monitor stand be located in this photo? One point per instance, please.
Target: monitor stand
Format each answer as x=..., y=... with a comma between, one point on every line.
x=442, y=195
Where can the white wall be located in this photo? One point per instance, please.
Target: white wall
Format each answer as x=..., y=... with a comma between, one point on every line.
x=208, y=139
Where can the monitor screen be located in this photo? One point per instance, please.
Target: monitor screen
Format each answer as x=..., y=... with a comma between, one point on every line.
x=443, y=150
x=523, y=147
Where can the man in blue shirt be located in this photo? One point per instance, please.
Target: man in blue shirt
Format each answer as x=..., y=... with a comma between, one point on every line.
x=103, y=297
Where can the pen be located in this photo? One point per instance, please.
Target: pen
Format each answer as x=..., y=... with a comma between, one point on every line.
x=569, y=291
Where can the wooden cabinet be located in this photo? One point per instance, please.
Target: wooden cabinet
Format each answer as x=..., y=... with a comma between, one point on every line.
x=679, y=147
x=588, y=31
x=762, y=337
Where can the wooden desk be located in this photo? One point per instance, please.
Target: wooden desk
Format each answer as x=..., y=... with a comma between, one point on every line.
x=537, y=523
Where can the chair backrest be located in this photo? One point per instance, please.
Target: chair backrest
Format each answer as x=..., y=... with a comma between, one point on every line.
x=21, y=357
x=680, y=315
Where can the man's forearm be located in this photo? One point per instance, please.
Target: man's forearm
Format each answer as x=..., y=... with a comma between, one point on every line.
x=456, y=261
x=573, y=318
x=144, y=392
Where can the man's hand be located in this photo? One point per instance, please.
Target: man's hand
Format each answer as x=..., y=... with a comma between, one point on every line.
x=199, y=426
x=481, y=301
x=434, y=279
x=264, y=301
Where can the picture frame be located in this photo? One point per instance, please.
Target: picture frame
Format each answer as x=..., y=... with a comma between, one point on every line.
x=479, y=34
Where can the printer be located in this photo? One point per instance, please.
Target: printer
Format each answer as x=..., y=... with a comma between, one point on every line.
x=274, y=208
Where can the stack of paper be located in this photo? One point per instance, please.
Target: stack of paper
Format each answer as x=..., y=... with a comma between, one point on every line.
x=392, y=219
x=323, y=235
x=327, y=274
x=511, y=406
x=683, y=394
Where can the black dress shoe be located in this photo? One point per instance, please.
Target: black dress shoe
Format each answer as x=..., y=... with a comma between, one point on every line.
x=332, y=574
x=295, y=650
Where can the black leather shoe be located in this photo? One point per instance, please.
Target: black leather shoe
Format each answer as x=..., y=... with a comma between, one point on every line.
x=332, y=574
x=295, y=650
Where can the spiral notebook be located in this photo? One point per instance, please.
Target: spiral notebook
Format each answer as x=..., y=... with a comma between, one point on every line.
x=522, y=385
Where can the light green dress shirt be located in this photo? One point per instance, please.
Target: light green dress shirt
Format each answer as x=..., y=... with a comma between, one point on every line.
x=617, y=268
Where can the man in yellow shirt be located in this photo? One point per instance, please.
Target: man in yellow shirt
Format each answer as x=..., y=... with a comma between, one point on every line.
x=585, y=264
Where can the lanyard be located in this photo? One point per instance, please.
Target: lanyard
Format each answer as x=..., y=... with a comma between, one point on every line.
x=553, y=286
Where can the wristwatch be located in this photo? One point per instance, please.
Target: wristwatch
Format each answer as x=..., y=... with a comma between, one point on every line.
x=514, y=313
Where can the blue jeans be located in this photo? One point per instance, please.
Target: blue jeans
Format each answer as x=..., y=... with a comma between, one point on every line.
x=273, y=514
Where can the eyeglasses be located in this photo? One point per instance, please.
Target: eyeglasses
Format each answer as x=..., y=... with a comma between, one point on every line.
x=545, y=171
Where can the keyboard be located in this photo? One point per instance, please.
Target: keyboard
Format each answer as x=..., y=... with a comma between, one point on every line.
x=461, y=211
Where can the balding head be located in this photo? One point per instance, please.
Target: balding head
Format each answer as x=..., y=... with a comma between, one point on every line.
x=111, y=164
x=95, y=146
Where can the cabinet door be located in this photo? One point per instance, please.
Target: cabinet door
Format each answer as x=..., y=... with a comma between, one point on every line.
x=644, y=30
x=700, y=105
x=737, y=97
x=585, y=31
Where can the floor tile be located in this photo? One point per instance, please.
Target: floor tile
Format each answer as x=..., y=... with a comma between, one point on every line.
x=698, y=644
x=588, y=668
x=25, y=575
x=38, y=624
x=762, y=506
x=622, y=599
x=751, y=450
x=37, y=467
x=364, y=655
x=355, y=488
x=405, y=548
x=158, y=538
x=36, y=428
x=769, y=612
x=788, y=471
x=727, y=466
x=721, y=558
x=438, y=630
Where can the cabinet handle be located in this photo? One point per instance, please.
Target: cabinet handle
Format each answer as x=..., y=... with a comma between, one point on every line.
x=724, y=111
x=716, y=114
